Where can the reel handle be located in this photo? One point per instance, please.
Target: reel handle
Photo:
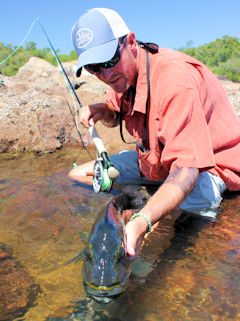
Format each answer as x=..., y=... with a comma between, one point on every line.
x=113, y=173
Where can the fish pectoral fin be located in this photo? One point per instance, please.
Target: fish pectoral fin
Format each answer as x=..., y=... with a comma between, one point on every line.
x=77, y=257
x=84, y=236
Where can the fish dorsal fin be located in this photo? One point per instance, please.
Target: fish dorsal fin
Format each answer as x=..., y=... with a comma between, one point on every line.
x=113, y=215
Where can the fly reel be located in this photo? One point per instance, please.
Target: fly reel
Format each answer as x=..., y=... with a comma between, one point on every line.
x=101, y=180
x=103, y=171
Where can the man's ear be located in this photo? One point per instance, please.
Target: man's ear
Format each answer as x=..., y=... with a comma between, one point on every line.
x=131, y=41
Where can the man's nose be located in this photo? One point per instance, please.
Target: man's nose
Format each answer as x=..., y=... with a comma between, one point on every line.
x=105, y=73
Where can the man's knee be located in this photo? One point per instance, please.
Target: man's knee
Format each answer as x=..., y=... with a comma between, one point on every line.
x=206, y=196
x=79, y=173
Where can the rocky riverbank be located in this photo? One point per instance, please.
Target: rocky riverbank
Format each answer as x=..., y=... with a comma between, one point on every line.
x=36, y=108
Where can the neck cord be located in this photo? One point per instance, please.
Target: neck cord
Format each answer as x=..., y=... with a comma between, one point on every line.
x=139, y=145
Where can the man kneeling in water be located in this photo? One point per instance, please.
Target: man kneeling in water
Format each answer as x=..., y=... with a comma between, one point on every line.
x=186, y=131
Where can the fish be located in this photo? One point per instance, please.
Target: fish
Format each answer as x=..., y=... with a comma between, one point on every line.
x=105, y=268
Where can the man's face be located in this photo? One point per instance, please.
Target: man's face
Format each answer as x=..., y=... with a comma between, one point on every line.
x=124, y=74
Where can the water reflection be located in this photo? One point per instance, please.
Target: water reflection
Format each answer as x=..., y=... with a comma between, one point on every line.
x=187, y=273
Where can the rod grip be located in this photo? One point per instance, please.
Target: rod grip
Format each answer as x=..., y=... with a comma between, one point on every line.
x=97, y=140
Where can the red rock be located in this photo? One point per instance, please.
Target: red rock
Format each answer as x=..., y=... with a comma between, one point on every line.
x=35, y=112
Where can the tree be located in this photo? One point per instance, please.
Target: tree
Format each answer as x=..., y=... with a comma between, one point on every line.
x=30, y=45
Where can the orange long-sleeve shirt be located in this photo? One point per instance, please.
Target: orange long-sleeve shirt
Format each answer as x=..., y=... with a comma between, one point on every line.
x=190, y=120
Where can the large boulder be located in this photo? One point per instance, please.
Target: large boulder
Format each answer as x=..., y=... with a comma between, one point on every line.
x=37, y=110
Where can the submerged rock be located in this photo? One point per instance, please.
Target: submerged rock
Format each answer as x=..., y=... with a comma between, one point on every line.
x=18, y=290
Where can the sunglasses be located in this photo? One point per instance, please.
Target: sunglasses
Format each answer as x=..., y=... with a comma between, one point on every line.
x=95, y=68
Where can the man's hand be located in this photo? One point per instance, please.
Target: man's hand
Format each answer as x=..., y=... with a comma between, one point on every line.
x=90, y=114
x=135, y=231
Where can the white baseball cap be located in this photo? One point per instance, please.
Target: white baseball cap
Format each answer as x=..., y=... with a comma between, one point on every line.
x=95, y=36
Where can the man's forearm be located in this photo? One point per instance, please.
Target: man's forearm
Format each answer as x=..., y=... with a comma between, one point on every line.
x=171, y=193
x=110, y=118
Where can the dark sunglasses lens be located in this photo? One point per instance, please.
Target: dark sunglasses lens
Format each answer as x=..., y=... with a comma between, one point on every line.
x=93, y=69
x=112, y=62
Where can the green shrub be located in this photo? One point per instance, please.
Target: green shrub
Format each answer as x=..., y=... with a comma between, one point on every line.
x=222, y=56
x=229, y=68
x=22, y=55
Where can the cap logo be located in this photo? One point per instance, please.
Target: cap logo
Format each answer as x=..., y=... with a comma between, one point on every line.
x=84, y=37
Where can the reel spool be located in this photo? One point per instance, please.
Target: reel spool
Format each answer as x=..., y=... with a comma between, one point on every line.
x=103, y=172
x=101, y=180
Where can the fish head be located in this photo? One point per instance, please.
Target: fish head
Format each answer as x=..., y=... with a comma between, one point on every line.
x=105, y=267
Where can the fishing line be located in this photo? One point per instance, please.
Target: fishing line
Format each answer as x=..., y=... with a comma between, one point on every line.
x=18, y=47
x=104, y=172
x=59, y=62
x=68, y=83
x=64, y=74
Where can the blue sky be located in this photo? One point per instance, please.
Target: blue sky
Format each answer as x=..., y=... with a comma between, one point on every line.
x=170, y=23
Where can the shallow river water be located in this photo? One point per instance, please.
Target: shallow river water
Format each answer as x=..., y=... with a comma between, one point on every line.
x=191, y=272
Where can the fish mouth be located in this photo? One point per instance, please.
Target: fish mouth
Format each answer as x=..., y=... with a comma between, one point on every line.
x=103, y=299
x=103, y=293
